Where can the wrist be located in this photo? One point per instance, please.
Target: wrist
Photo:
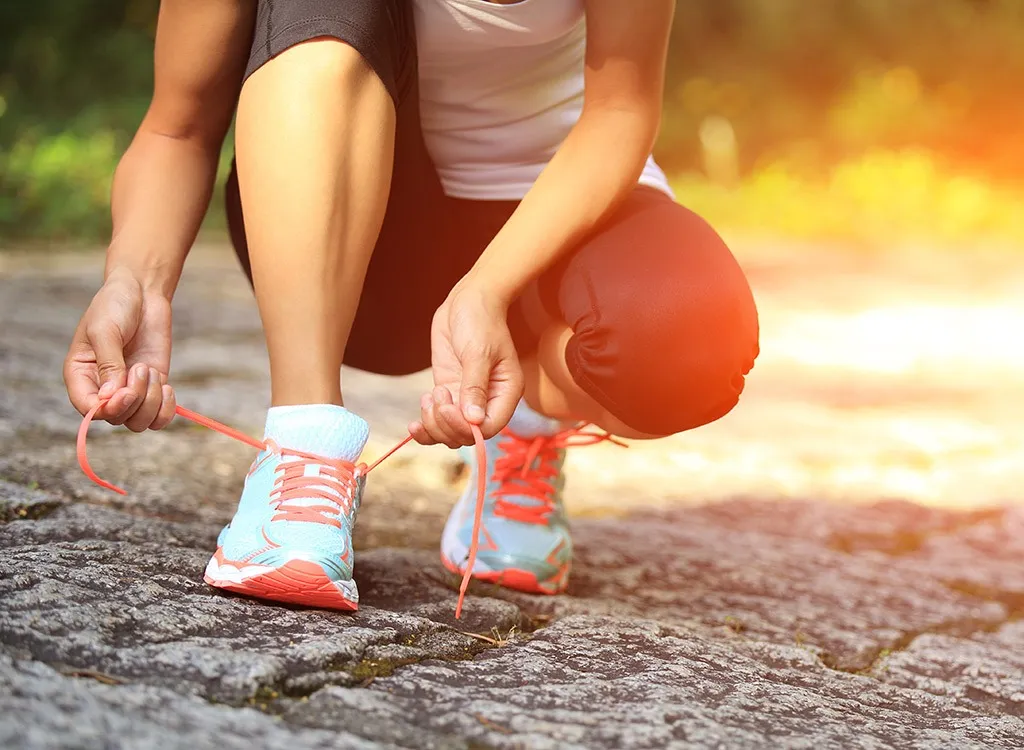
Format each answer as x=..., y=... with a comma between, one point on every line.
x=496, y=291
x=153, y=275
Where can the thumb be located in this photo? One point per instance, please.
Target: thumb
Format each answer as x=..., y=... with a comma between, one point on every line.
x=108, y=344
x=476, y=376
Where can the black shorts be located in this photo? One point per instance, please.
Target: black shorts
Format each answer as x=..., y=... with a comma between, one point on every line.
x=665, y=326
x=377, y=29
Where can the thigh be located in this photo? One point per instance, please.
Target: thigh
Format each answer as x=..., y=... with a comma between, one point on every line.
x=664, y=323
x=409, y=272
x=380, y=30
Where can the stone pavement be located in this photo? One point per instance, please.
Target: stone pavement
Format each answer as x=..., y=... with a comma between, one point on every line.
x=743, y=623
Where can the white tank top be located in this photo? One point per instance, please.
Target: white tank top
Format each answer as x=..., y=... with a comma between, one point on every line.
x=501, y=85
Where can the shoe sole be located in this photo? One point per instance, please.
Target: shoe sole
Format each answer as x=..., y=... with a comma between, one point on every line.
x=296, y=582
x=515, y=578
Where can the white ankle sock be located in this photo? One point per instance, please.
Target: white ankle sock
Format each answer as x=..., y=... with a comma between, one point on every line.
x=324, y=430
x=528, y=423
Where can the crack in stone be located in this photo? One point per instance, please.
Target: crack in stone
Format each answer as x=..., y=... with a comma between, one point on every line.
x=1011, y=601
x=33, y=512
x=28, y=508
x=879, y=655
x=94, y=674
x=274, y=698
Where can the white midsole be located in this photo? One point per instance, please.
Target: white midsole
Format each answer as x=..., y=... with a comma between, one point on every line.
x=232, y=573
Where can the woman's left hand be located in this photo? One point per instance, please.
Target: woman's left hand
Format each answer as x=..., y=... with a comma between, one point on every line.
x=477, y=376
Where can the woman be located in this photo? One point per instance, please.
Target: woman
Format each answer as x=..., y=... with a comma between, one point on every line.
x=457, y=184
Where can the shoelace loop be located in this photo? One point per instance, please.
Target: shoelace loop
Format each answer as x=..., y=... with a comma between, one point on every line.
x=293, y=483
x=528, y=468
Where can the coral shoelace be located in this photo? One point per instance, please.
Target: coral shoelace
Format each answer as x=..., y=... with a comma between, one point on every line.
x=333, y=482
x=527, y=469
x=292, y=484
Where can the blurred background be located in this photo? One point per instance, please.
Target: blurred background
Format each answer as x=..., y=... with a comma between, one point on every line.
x=851, y=119
x=863, y=157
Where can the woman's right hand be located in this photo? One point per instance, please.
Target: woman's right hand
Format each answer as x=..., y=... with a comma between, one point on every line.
x=121, y=354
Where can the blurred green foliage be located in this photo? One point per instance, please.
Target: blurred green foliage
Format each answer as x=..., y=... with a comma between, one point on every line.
x=854, y=112
x=814, y=82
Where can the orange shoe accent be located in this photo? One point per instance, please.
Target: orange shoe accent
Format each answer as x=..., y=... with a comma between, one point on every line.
x=518, y=579
x=295, y=582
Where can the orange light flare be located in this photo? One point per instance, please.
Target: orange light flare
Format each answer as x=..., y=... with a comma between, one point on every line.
x=895, y=377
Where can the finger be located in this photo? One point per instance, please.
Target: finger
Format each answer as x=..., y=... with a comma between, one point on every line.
x=150, y=405
x=170, y=403
x=428, y=418
x=128, y=400
x=429, y=421
x=420, y=435
x=476, y=375
x=116, y=406
x=82, y=384
x=448, y=419
x=81, y=377
x=109, y=347
x=451, y=419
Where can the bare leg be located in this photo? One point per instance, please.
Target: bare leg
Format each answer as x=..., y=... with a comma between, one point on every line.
x=551, y=390
x=315, y=143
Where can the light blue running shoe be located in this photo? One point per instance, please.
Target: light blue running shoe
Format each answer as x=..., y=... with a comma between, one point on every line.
x=291, y=537
x=524, y=540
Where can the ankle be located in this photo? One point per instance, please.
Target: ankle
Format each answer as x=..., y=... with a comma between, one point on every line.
x=310, y=383
x=305, y=395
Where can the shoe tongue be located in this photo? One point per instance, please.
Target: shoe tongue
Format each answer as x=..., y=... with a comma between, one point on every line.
x=321, y=429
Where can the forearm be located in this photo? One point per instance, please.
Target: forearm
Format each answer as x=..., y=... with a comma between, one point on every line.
x=162, y=185
x=597, y=166
x=603, y=155
x=161, y=191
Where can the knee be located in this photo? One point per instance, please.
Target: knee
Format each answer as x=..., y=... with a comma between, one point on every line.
x=674, y=353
